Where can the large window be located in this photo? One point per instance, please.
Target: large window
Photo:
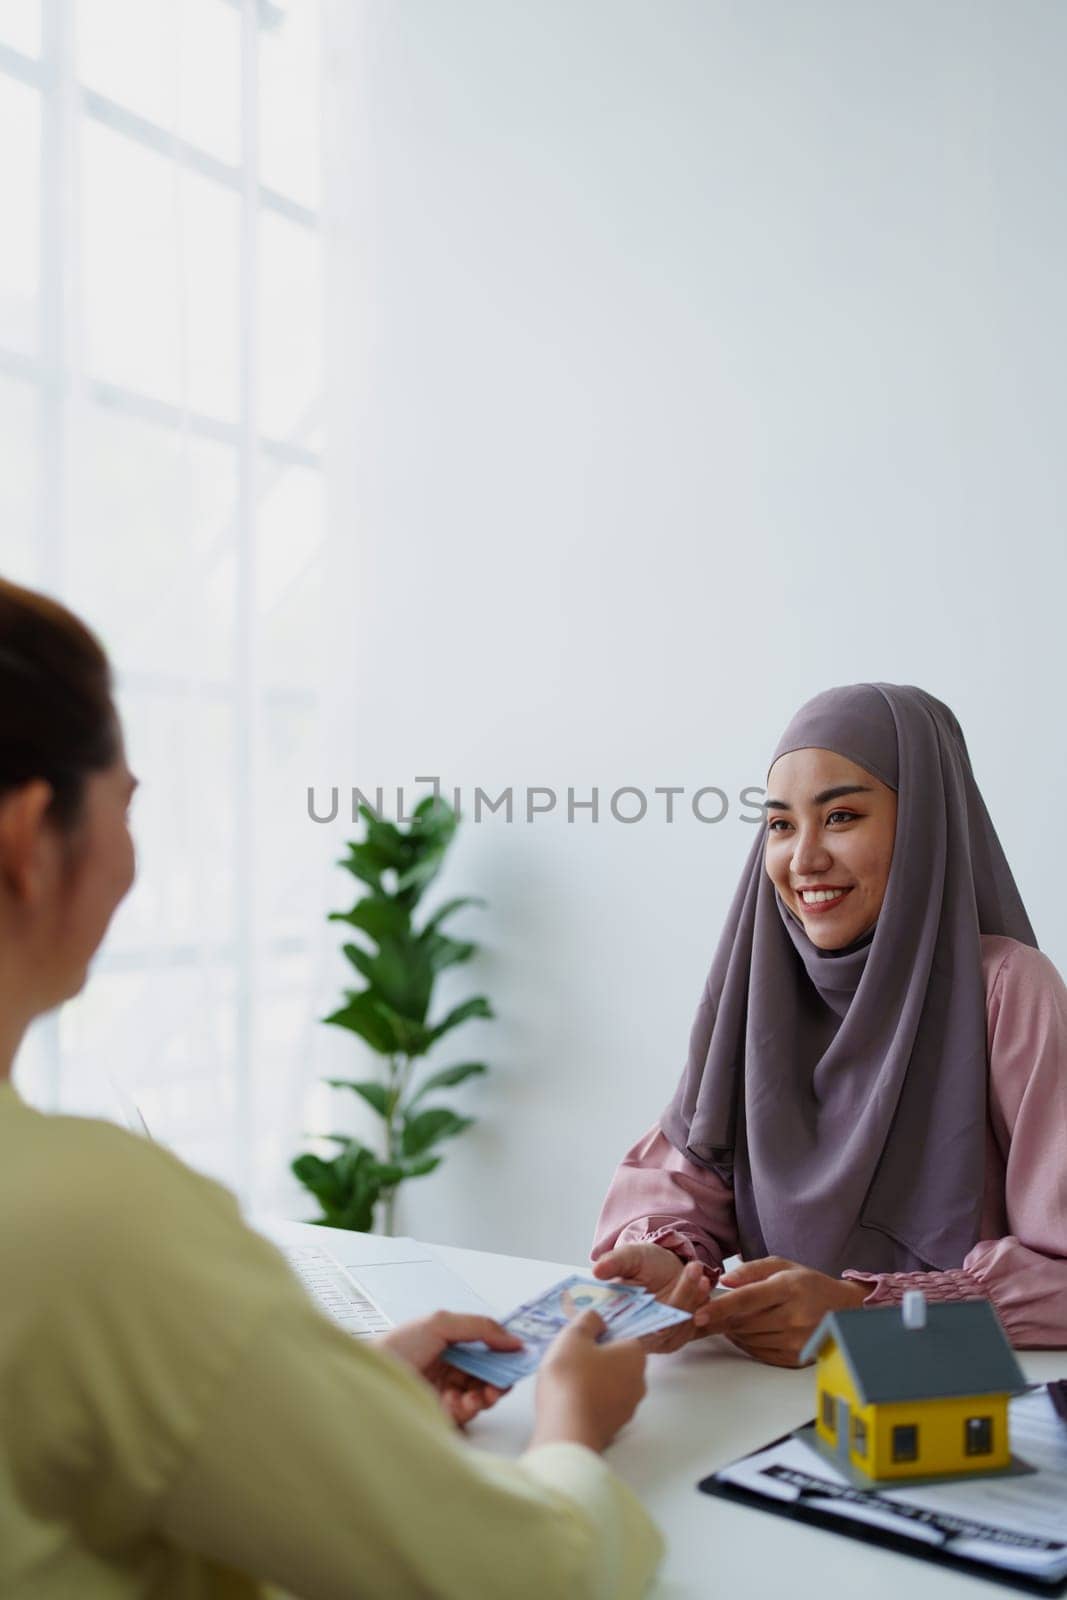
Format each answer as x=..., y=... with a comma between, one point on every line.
x=161, y=471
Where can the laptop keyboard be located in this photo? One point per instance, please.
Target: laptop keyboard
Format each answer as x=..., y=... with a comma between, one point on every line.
x=335, y=1293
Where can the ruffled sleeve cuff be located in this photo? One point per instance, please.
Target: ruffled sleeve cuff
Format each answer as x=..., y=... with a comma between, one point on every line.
x=889, y=1288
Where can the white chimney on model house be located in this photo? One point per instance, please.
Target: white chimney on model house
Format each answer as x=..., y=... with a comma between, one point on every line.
x=913, y=1309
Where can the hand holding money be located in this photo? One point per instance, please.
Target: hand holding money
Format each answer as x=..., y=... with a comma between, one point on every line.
x=628, y=1311
x=688, y=1287
x=421, y=1343
x=587, y=1391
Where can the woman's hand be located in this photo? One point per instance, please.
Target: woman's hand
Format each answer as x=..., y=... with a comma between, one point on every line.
x=420, y=1344
x=587, y=1391
x=774, y=1307
x=660, y=1272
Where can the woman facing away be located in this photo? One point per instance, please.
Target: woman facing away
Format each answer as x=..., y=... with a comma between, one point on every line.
x=176, y=1418
x=875, y=1097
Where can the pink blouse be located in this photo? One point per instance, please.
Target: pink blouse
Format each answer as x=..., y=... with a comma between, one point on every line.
x=1020, y=1261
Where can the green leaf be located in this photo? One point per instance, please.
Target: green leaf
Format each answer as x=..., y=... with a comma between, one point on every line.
x=433, y=805
x=448, y=1077
x=386, y=839
x=360, y=1164
x=419, y=1166
x=442, y=952
x=421, y=872
x=346, y=1187
x=434, y=819
x=320, y=1177
x=384, y=1029
x=361, y=960
x=363, y=1015
x=375, y=1094
x=448, y=908
x=429, y=1127
x=358, y=1177
x=391, y=1173
x=358, y=1214
x=478, y=1006
x=412, y=1036
x=365, y=865
x=401, y=974
x=380, y=918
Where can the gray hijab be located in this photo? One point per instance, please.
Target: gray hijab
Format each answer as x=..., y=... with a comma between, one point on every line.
x=843, y=1094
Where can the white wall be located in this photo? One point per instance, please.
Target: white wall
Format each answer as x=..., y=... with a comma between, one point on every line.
x=698, y=356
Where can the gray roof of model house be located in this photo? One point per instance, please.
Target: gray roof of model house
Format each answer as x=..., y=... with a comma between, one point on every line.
x=962, y=1350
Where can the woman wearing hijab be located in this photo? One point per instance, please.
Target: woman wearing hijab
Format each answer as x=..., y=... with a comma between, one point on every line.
x=177, y=1418
x=875, y=1096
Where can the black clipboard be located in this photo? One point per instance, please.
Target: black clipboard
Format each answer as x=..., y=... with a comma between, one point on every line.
x=882, y=1537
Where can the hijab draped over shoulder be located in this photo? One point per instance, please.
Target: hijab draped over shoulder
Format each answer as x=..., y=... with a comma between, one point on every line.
x=842, y=1093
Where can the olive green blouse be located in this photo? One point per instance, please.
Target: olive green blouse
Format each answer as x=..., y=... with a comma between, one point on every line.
x=178, y=1421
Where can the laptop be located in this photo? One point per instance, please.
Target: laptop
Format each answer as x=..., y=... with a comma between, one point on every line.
x=365, y=1283
x=368, y=1284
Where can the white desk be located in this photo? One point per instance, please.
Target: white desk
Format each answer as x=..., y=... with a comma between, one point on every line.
x=705, y=1406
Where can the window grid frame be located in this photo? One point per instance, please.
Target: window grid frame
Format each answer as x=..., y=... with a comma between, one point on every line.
x=56, y=374
x=53, y=75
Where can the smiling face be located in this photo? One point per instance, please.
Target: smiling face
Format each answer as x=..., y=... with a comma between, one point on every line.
x=830, y=832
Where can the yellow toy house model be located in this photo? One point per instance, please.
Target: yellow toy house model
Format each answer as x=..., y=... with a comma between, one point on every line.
x=919, y=1392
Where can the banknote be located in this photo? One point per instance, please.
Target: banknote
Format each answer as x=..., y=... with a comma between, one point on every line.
x=628, y=1311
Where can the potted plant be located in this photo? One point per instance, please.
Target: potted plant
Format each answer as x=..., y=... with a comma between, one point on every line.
x=399, y=964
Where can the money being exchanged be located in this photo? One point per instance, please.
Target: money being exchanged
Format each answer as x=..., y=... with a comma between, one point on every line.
x=629, y=1311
